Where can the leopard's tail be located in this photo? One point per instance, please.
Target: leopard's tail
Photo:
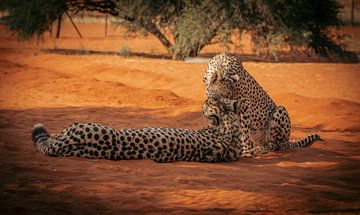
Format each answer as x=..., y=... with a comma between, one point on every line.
x=40, y=138
x=307, y=141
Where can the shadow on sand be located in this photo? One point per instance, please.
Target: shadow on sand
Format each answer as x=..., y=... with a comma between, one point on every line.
x=283, y=57
x=309, y=180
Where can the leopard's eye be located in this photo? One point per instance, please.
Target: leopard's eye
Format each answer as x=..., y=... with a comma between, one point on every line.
x=230, y=80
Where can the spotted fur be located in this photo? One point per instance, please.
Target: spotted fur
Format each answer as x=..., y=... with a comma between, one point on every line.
x=218, y=142
x=269, y=124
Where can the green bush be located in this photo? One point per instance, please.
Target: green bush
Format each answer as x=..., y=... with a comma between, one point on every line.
x=300, y=25
x=29, y=17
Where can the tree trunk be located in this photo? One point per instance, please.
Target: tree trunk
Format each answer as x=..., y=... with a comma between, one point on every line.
x=73, y=23
x=51, y=30
x=352, y=12
x=58, y=27
x=154, y=30
x=106, y=24
x=157, y=33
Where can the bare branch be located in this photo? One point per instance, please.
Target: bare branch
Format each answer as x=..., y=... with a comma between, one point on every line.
x=102, y=6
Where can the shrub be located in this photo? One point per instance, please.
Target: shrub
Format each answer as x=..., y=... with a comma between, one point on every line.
x=193, y=24
x=124, y=51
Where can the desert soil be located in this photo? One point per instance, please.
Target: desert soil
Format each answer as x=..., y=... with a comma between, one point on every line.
x=132, y=92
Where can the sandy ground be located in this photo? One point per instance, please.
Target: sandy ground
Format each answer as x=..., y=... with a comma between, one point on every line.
x=55, y=89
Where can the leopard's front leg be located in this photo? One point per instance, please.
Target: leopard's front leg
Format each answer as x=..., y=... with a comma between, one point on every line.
x=246, y=144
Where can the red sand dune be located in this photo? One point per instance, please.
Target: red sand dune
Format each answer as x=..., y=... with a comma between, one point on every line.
x=57, y=90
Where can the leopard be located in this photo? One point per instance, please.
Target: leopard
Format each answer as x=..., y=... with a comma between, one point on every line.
x=218, y=142
x=270, y=124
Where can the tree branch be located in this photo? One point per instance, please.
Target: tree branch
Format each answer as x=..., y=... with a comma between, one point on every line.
x=152, y=29
x=102, y=6
x=156, y=31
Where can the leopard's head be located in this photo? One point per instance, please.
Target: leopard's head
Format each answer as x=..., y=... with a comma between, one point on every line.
x=221, y=77
x=217, y=109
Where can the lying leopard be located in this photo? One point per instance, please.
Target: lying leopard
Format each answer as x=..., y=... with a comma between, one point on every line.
x=269, y=124
x=218, y=142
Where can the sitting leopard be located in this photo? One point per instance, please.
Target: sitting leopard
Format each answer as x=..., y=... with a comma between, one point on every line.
x=218, y=142
x=269, y=124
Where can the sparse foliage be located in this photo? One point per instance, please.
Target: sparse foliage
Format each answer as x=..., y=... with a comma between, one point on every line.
x=33, y=17
x=184, y=27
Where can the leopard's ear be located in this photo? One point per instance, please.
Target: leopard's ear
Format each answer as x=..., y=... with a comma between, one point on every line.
x=230, y=105
x=214, y=77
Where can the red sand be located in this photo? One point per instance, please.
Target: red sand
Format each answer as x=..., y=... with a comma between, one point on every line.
x=138, y=92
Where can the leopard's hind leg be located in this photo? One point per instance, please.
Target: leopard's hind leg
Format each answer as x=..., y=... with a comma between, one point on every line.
x=279, y=133
x=279, y=129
